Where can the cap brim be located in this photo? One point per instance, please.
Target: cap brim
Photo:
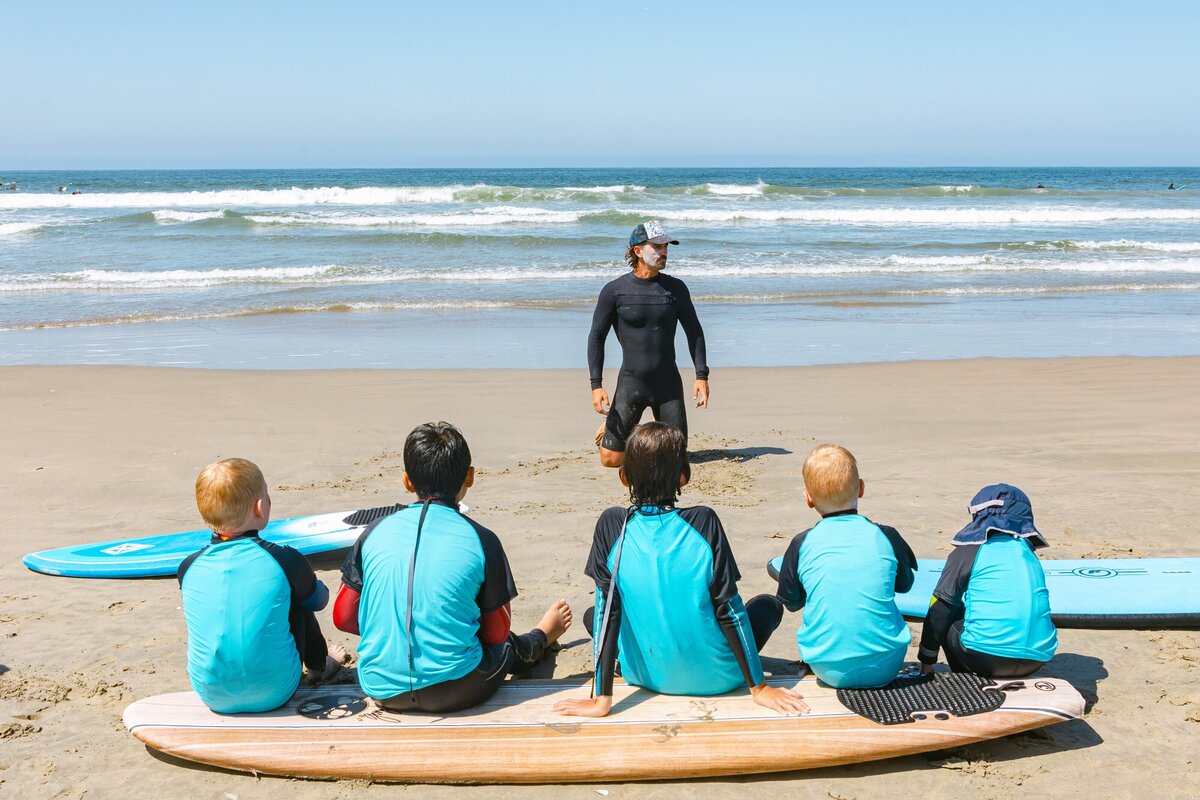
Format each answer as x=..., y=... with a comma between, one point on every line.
x=663, y=240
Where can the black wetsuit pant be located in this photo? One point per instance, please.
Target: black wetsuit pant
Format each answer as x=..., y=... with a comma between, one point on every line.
x=765, y=612
x=310, y=642
x=515, y=654
x=661, y=393
x=963, y=659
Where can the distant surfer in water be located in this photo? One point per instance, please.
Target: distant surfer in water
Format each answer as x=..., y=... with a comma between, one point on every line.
x=1039, y=186
x=644, y=305
x=1171, y=187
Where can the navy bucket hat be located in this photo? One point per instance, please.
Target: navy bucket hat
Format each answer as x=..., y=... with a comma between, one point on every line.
x=1003, y=509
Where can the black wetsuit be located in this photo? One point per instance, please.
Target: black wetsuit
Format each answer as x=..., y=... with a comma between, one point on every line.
x=645, y=312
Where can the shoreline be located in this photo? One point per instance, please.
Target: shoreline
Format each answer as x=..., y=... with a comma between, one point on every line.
x=1106, y=447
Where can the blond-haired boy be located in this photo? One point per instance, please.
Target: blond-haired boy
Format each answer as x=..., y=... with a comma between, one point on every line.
x=248, y=603
x=845, y=572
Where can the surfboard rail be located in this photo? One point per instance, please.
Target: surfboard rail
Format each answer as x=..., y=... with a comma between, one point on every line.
x=334, y=732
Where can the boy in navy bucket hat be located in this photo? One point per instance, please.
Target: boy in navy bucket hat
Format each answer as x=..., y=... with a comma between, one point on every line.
x=990, y=611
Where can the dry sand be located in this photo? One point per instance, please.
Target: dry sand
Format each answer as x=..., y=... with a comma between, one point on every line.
x=1108, y=449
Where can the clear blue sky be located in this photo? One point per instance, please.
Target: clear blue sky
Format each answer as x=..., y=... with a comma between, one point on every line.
x=392, y=84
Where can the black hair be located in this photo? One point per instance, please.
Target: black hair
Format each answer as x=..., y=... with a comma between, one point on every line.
x=655, y=458
x=437, y=459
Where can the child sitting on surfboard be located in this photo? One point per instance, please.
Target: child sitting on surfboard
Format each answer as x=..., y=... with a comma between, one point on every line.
x=249, y=603
x=990, y=611
x=845, y=572
x=667, y=603
x=429, y=591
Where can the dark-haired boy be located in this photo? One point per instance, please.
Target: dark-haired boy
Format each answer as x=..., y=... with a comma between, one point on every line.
x=429, y=591
x=675, y=618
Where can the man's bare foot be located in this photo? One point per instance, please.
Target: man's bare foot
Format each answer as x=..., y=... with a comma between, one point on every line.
x=333, y=662
x=600, y=434
x=556, y=621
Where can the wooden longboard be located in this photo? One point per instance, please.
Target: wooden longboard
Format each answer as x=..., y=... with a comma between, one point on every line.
x=334, y=732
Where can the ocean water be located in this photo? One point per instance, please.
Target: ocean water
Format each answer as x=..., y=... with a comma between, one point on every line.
x=475, y=268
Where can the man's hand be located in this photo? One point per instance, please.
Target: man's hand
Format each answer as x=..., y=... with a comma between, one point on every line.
x=600, y=401
x=699, y=394
x=593, y=707
x=785, y=701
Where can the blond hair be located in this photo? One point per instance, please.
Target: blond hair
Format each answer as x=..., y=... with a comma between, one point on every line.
x=226, y=491
x=831, y=478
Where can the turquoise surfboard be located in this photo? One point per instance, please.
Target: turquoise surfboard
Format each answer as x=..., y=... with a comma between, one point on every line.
x=153, y=556
x=1090, y=592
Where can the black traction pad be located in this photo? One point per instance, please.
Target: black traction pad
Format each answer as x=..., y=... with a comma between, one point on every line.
x=368, y=515
x=913, y=697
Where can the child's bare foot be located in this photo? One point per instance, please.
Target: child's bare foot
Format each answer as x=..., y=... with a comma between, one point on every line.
x=555, y=621
x=333, y=662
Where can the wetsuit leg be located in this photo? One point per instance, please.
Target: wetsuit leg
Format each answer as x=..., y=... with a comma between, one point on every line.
x=629, y=401
x=668, y=403
x=963, y=659
x=310, y=642
x=765, y=612
x=515, y=654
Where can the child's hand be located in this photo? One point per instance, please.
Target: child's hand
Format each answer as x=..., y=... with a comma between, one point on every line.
x=785, y=701
x=593, y=707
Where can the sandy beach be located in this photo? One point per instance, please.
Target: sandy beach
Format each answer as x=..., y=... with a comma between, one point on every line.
x=1107, y=448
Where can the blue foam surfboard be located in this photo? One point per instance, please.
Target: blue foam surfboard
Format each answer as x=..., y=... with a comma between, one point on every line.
x=161, y=555
x=1090, y=592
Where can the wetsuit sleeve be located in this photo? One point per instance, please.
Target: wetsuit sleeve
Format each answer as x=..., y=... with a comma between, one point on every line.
x=498, y=588
x=187, y=562
x=352, y=564
x=705, y=521
x=735, y=624
x=946, y=606
x=693, y=331
x=604, y=642
x=307, y=592
x=604, y=317
x=906, y=562
x=608, y=530
x=791, y=592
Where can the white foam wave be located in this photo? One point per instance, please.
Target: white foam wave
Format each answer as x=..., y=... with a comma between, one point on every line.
x=15, y=228
x=335, y=274
x=967, y=188
x=168, y=216
x=930, y=216
x=1131, y=244
x=617, y=189
x=734, y=189
x=295, y=196
x=500, y=215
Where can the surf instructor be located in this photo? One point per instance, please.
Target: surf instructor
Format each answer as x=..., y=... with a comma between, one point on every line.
x=645, y=306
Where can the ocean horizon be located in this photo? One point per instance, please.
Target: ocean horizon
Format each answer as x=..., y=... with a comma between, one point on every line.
x=420, y=268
